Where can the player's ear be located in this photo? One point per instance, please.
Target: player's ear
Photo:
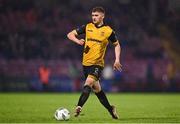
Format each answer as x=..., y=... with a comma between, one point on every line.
x=103, y=15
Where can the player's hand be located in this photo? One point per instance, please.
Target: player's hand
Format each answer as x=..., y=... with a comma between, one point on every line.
x=81, y=42
x=117, y=66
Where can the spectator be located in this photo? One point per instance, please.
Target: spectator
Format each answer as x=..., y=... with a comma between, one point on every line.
x=44, y=75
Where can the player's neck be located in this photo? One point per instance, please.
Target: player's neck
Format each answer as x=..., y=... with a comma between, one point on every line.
x=99, y=24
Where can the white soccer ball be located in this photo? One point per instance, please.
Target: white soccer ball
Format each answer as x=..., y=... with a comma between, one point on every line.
x=62, y=114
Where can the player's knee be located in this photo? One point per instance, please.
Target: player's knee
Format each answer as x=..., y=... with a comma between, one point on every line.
x=96, y=89
x=89, y=82
x=87, y=89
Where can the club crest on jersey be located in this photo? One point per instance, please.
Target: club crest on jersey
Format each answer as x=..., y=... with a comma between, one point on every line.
x=102, y=33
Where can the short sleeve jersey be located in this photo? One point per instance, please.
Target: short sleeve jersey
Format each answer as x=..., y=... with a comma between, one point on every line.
x=96, y=41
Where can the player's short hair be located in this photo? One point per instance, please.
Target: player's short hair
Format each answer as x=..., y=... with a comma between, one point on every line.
x=98, y=9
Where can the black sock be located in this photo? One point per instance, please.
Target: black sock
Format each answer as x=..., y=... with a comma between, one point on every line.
x=103, y=99
x=84, y=96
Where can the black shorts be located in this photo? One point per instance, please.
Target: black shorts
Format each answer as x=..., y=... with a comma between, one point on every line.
x=94, y=71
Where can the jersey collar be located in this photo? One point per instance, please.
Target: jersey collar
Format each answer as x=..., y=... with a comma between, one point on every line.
x=98, y=26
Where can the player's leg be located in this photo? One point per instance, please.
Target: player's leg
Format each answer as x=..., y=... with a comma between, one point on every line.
x=101, y=95
x=92, y=74
x=84, y=95
x=103, y=99
x=86, y=91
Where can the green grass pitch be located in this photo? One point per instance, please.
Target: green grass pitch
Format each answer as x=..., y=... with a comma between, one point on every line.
x=132, y=107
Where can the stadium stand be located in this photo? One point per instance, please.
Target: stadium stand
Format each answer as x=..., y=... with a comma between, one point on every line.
x=34, y=33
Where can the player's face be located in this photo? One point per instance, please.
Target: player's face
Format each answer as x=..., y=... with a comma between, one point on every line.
x=97, y=17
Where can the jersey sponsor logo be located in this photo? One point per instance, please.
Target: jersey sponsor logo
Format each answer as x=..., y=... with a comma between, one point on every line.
x=94, y=40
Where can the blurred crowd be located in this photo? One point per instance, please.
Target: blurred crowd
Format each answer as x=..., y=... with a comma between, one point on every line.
x=33, y=33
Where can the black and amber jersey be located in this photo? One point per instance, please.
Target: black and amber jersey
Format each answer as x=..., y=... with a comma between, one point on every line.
x=96, y=41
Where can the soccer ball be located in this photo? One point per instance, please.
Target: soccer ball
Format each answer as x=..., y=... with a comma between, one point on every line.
x=62, y=114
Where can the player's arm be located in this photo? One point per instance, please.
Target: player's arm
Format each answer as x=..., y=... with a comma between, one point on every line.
x=73, y=35
x=117, y=65
x=117, y=48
